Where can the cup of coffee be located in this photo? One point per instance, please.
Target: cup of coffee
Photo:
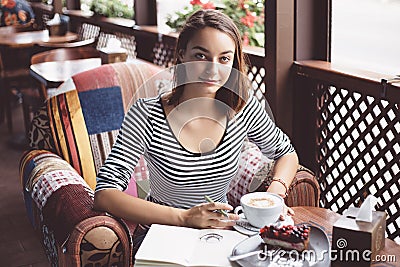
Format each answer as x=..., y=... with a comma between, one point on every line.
x=261, y=208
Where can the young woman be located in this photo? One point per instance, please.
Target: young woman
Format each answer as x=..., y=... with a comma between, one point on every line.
x=192, y=137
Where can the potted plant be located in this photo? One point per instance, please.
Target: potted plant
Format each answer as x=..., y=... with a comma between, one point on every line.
x=111, y=8
x=247, y=14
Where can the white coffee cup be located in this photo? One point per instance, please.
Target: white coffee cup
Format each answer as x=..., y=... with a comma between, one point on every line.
x=261, y=208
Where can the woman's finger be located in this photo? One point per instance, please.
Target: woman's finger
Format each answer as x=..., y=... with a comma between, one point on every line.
x=286, y=211
x=290, y=211
x=218, y=206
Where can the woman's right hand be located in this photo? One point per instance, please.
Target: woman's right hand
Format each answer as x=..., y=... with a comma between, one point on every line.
x=205, y=215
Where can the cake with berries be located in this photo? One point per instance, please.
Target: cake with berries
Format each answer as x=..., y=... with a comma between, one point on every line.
x=287, y=236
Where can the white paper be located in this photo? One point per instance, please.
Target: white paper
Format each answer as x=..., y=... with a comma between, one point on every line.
x=171, y=246
x=55, y=21
x=365, y=211
x=113, y=46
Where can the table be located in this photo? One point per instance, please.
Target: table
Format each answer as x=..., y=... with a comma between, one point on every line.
x=9, y=37
x=16, y=48
x=325, y=219
x=52, y=74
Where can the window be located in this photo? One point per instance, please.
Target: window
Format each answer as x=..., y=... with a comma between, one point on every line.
x=365, y=34
x=109, y=8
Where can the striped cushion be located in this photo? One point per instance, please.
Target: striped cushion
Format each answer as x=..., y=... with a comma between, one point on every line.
x=86, y=121
x=70, y=135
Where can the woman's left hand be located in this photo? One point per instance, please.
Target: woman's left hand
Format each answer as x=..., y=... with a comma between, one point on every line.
x=286, y=211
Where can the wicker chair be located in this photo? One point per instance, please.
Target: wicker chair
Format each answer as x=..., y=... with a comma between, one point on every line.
x=73, y=135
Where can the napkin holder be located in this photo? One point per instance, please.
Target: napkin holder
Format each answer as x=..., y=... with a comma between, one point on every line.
x=353, y=238
x=58, y=26
x=113, y=56
x=113, y=52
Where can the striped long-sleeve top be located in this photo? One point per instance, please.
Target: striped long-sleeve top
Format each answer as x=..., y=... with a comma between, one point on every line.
x=178, y=177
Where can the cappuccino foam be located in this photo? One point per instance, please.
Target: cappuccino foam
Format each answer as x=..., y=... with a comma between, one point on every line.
x=263, y=202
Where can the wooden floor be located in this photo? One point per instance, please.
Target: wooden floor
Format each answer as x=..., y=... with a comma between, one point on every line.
x=19, y=243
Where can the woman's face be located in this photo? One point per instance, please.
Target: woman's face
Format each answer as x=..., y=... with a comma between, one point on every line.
x=208, y=59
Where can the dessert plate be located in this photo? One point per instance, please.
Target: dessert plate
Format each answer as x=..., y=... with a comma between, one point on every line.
x=317, y=254
x=244, y=227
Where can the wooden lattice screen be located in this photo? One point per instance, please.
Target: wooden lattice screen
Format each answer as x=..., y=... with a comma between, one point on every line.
x=358, y=151
x=163, y=53
x=256, y=75
x=127, y=42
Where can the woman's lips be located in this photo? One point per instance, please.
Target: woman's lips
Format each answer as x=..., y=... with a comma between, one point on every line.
x=209, y=81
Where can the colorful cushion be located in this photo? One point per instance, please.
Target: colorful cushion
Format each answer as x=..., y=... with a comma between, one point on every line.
x=15, y=12
x=249, y=163
x=70, y=134
x=39, y=135
x=66, y=207
x=86, y=121
x=255, y=174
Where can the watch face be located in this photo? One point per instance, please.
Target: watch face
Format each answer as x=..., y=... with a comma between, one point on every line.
x=256, y=183
x=262, y=178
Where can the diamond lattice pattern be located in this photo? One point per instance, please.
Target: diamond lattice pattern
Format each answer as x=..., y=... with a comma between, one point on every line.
x=358, y=151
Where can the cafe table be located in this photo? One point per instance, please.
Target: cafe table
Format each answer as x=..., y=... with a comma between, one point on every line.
x=12, y=38
x=16, y=47
x=325, y=219
x=54, y=73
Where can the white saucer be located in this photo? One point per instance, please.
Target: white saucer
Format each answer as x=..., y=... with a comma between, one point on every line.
x=244, y=227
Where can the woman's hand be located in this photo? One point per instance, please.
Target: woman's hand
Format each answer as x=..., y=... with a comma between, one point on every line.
x=206, y=216
x=286, y=211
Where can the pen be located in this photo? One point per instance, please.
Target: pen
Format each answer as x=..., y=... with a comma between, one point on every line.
x=220, y=211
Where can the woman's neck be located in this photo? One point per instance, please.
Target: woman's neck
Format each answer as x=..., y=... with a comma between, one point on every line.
x=192, y=91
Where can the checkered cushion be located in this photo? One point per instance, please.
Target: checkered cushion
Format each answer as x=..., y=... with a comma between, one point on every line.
x=255, y=174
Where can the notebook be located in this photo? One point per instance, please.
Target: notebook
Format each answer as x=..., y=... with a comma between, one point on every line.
x=166, y=245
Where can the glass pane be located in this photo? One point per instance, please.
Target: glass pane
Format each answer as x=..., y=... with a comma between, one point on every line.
x=168, y=7
x=109, y=8
x=247, y=14
x=365, y=34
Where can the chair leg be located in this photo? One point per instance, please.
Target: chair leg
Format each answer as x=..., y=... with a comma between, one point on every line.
x=27, y=117
x=32, y=100
x=9, y=115
x=7, y=106
x=2, y=105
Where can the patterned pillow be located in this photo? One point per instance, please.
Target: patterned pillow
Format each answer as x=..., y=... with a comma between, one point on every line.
x=14, y=12
x=252, y=164
x=39, y=135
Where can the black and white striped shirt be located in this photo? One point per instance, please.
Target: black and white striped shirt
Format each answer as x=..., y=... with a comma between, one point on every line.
x=178, y=177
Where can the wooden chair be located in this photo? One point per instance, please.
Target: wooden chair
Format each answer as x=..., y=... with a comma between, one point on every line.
x=15, y=79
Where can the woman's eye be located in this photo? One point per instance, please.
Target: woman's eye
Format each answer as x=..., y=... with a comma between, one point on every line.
x=225, y=59
x=200, y=56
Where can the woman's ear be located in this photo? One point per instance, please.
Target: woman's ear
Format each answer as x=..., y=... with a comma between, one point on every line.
x=180, y=54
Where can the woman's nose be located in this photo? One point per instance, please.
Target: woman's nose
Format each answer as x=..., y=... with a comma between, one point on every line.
x=211, y=68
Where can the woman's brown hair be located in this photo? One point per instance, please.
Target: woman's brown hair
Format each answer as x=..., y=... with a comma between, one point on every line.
x=234, y=92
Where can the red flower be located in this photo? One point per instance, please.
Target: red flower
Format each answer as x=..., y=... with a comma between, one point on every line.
x=8, y=4
x=249, y=19
x=195, y=2
x=208, y=5
x=246, y=40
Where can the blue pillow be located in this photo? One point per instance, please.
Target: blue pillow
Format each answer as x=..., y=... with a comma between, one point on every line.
x=14, y=12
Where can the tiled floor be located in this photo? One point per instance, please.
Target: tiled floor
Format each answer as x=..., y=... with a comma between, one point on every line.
x=19, y=243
